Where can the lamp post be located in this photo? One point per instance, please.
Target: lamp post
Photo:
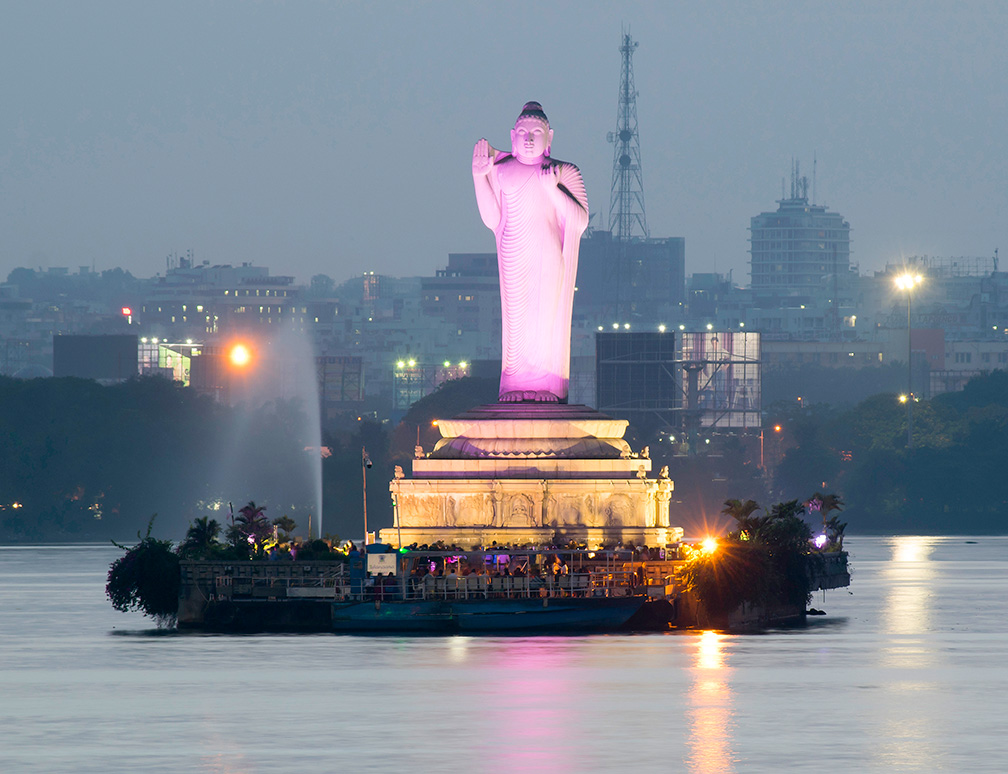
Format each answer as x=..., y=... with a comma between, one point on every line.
x=365, y=464
x=908, y=282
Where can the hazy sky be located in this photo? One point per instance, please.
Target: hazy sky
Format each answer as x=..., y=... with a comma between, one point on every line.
x=337, y=137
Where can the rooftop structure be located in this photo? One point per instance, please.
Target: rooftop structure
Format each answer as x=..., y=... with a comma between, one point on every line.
x=800, y=248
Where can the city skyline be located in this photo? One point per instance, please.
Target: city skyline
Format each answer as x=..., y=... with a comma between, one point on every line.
x=316, y=139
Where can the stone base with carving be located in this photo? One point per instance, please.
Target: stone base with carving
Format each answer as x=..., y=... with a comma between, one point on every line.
x=532, y=474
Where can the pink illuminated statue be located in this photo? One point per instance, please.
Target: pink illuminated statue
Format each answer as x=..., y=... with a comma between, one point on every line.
x=537, y=208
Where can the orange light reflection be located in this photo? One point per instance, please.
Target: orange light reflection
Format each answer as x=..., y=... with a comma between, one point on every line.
x=710, y=714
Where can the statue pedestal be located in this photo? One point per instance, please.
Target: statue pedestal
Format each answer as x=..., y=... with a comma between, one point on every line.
x=539, y=474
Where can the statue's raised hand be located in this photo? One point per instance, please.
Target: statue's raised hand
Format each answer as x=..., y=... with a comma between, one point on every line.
x=483, y=158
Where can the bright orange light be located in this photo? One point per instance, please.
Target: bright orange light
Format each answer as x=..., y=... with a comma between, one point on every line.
x=776, y=428
x=709, y=545
x=240, y=355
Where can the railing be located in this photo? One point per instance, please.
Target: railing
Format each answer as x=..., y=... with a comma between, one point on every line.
x=333, y=581
x=263, y=579
x=474, y=587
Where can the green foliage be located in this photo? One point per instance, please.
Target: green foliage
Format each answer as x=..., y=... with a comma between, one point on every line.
x=316, y=550
x=737, y=572
x=767, y=560
x=146, y=578
x=285, y=528
x=951, y=481
x=85, y=460
x=835, y=533
x=253, y=526
x=201, y=540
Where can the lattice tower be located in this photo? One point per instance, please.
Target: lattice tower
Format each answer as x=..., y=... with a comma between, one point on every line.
x=626, y=202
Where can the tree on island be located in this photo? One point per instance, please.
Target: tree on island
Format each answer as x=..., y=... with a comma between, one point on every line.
x=201, y=539
x=146, y=578
x=285, y=528
x=766, y=561
x=253, y=526
x=742, y=512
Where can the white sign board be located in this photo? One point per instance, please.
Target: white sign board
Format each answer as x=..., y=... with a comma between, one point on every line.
x=381, y=564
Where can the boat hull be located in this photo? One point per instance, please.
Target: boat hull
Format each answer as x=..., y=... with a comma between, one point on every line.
x=551, y=615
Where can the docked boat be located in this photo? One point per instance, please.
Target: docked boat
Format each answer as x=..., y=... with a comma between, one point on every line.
x=424, y=592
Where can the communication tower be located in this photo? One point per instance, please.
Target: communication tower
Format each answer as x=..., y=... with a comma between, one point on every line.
x=626, y=202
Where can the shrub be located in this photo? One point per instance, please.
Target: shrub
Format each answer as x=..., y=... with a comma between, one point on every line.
x=146, y=578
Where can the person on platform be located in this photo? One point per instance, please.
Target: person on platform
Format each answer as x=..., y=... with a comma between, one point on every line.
x=537, y=208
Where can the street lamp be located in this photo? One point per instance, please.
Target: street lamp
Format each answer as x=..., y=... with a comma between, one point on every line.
x=365, y=464
x=908, y=282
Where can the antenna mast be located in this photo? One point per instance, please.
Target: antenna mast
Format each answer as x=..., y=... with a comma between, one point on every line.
x=626, y=202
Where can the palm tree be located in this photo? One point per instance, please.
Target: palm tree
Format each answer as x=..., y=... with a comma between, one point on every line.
x=749, y=525
x=285, y=524
x=834, y=532
x=252, y=523
x=201, y=538
x=786, y=528
x=825, y=504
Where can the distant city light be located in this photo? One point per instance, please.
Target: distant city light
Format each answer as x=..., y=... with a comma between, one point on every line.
x=463, y=365
x=661, y=328
x=709, y=545
x=447, y=364
x=615, y=326
x=682, y=327
x=626, y=326
x=820, y=541
x=400, y=364
x=412, y=363
x=126, y=311
x=710, y=326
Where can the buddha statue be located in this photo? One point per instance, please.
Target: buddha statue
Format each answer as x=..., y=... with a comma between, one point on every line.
x=537, y=208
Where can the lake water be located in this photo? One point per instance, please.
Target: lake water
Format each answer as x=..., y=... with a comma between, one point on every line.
x=907, y=672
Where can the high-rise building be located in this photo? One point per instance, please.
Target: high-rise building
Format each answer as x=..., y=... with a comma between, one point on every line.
x=801, y=248
x=640, y=281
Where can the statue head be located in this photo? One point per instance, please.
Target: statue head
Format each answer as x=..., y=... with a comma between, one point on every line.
x=531, y=137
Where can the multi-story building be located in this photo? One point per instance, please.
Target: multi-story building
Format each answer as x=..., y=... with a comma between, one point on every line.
x=638, y=281
x=801, y=248
x=466, y=296
x=201, y=300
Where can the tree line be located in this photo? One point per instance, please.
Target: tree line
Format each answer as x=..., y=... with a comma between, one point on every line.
x=82, y=461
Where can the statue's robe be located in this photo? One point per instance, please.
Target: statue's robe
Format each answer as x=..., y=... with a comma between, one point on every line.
x=537, y=253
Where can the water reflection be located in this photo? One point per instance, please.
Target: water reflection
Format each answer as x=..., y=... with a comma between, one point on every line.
x=710, y=713
x=911, y=577
x=907, y=739
x=527, y=705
